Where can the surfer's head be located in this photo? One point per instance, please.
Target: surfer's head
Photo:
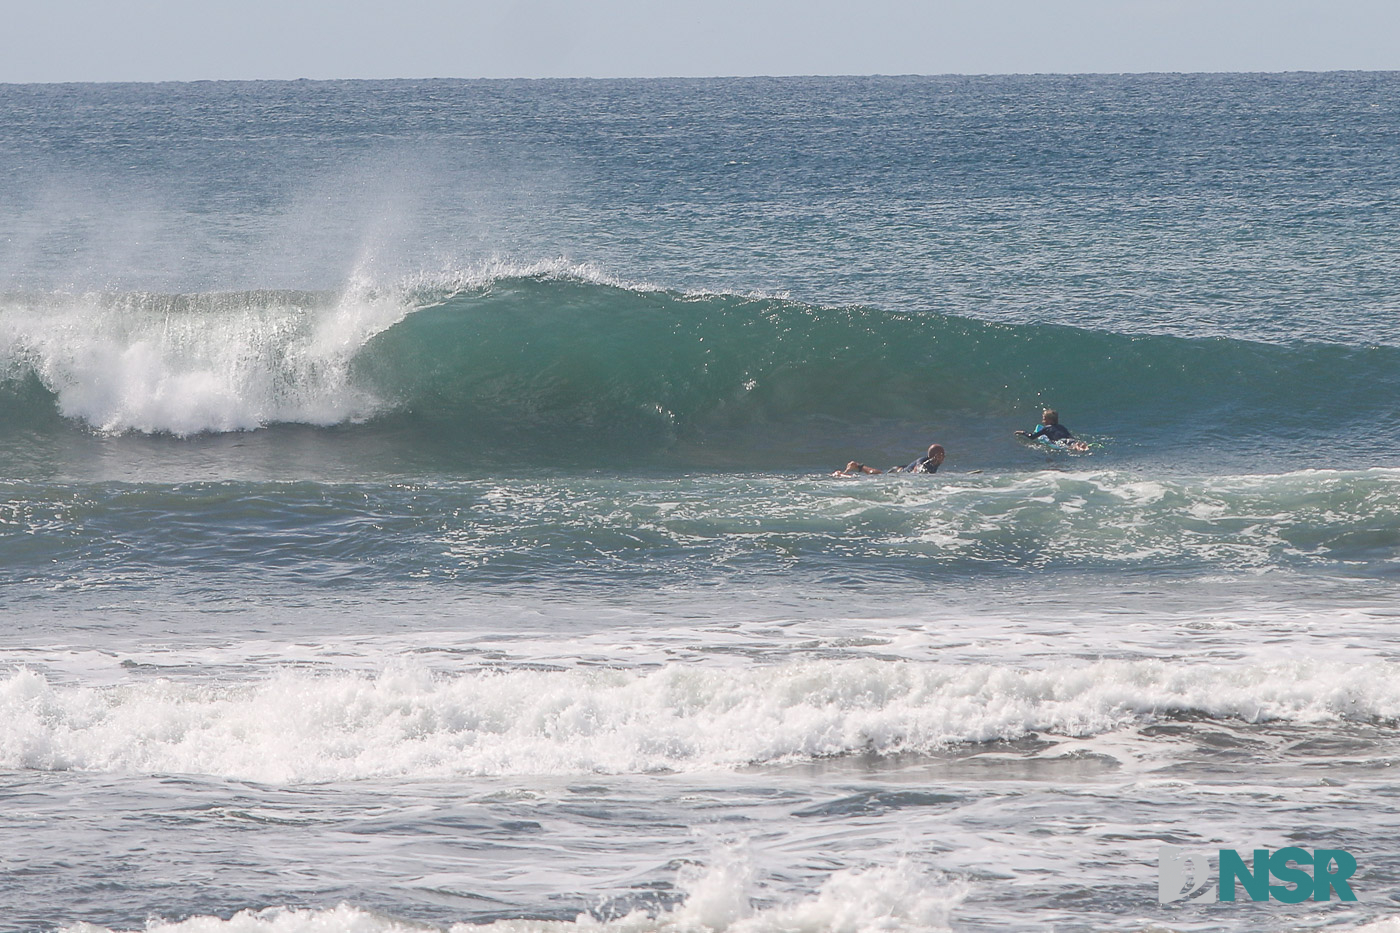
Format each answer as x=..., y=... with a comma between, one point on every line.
x=1050, y=416
x=936, y=453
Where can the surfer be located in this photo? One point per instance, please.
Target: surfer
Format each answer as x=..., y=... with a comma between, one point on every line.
x=1049, y=428
x=1051, y=431
x=855, y=469
x=926, y=464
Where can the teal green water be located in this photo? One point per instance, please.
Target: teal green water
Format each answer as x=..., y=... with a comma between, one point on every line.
x=562, y=370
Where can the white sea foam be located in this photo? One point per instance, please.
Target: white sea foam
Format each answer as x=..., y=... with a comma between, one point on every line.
x=206, y=363
x=891, y=899
x=228, y=362
x=408, y=722
x=486, y=273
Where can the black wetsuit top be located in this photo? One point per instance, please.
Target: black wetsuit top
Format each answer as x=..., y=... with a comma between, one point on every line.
x=1051, y=432
x=922, y=465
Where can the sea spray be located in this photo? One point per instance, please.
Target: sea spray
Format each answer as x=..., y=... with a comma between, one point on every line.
x=184, y=364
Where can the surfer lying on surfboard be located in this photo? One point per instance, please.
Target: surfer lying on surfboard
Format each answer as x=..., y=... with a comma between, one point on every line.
x=1052, y=432
x=926, y=464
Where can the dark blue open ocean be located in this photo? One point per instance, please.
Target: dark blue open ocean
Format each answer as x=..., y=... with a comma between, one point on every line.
x=416, y=510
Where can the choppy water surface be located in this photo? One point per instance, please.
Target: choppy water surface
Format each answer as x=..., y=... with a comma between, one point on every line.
x=415, y=502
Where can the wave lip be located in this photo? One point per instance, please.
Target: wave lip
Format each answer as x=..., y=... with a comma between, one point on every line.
x=407, y=723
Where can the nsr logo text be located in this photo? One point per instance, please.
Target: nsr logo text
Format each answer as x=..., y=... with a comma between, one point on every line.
x=1181, y=874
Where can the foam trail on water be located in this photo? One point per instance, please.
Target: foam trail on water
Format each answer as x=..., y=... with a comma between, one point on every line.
x=410, y=723
x=898, y=898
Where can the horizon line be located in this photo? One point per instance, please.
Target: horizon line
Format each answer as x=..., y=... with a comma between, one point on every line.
x=727, y=77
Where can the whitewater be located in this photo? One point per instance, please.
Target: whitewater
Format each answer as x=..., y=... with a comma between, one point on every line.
x=417, y=510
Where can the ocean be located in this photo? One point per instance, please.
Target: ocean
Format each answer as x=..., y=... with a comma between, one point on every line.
x=416, y=508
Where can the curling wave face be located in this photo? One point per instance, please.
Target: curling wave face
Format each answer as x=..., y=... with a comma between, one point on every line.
x=559, y=361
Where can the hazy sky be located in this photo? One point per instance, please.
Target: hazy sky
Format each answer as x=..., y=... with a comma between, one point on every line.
x=154, y=40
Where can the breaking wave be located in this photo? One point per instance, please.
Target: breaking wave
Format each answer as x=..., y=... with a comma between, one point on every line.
x=408, y=723
x=535, y=358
